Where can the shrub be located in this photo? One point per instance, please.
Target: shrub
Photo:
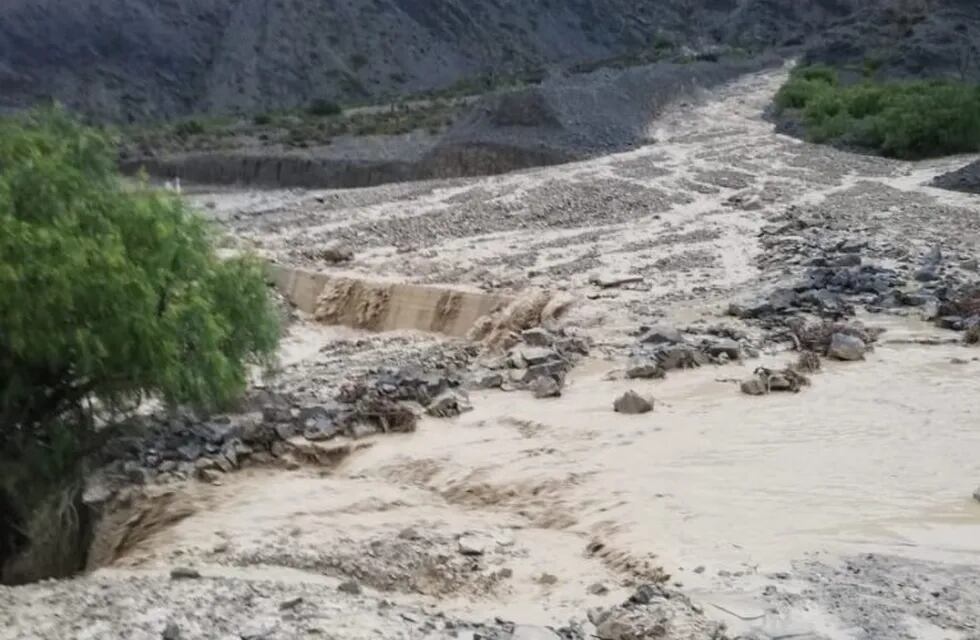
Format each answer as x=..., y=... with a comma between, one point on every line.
x=189, y=128
x=324, y=108
x=911, y=119
x=110, y=293
x=262, y=119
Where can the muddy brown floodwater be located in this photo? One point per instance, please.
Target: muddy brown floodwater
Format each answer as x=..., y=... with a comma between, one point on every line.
x=840, y=512
x=721, y=489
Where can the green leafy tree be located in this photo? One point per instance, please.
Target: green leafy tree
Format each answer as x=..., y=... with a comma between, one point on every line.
x=109, y=292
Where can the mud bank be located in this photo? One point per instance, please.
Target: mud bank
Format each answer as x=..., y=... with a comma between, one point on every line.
x=562, y=120
x=384, y=306
x=284, y=168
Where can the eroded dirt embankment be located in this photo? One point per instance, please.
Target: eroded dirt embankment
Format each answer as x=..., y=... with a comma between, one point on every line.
x=841, y=511
x=562, y=120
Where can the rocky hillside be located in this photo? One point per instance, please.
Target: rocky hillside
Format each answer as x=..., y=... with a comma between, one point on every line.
x=131, y=60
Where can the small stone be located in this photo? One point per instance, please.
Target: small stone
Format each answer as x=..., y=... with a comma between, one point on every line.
x=547, y=579
x=171, y=632
x=754, y=387
x=285, y=430
x=976, y=494
x=320, y=429
x=661, y=334
x=475, y=544
x=538, y=337
x=292, y=603
x=486, y=379
x=350, y=587
x=846, y=347
x=699, y=569
x=849, y=260
x=545, y=387
x=448, y=405
x=632, y=403
x=535, y=355
x=184, y=573
x=728, y=348
x=926, y=274
x=209, y=475
x=528, y=632
x=639, y=368
x=336, y=252
x=610, y=280
x=598, y=589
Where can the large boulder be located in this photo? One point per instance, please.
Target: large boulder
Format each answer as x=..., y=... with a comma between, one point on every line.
x=632, y=403
x=846, y=347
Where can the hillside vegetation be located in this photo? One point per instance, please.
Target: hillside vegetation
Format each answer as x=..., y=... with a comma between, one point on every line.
x=902, y=119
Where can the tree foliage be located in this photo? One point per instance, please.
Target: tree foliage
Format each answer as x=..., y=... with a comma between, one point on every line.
x=913, y=119
x=108, y=292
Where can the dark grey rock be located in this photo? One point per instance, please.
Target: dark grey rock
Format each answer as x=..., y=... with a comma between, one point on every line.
x=555, y=369
x=320, y=429
x=632, y=403
x=171, y=632
x=754, y=387
x=486, y=379
x=846, y=347
x=545, y=387
x=642, y=368
x=661, y=334
x=184, y=573
x=449, y=405
x=350, y=587
x=728, y=348
x=527, y=632
x=538, y=337
x=190, y=451
x=926, y=274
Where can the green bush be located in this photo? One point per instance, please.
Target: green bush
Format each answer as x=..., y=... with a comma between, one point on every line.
x=324, y=108
x=111, y=293
x=262, y=119
x=189, y=128
x=912, y=119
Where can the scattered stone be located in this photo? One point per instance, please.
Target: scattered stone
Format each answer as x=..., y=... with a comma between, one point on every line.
x=976, y=494
x=598, y=589
x=350, y=587
x=632, y=403
x=209, y=475
x=292, y=603
x=545, y=387
x=538, y=337
x=754, y=387
x=699, y=569
x=486, y=379
x=846, y=347
x=336, y=253
x=449, y=405
x=728, y=348
x=184, y=573
x=527, y=632
x=321, y=429
x=610, y=280
x=171, y=632
x=808, y=362
x=644, y=369
x=535, y=355
x=547, y=579
x=680, y=356
x=475, y=544
x=661, y=334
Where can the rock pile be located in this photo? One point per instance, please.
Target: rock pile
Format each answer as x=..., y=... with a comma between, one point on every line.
x=662, y=348
x=655, y=612
x=538, y=362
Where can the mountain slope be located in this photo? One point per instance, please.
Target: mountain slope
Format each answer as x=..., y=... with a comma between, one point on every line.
x=146, y=59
